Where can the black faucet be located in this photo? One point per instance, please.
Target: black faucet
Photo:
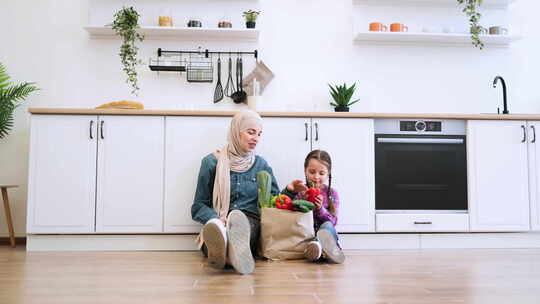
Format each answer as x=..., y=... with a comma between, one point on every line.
x=505, y=109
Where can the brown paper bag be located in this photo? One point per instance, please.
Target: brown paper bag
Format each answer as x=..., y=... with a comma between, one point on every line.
x=285, y=233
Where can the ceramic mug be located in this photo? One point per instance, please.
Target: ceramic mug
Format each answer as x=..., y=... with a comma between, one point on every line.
x=398, y=27
x=482, y=30
x=377, y=27
x=165, y=21
x=498, y=30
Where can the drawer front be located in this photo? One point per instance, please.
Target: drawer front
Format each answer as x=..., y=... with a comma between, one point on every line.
x=422, y=222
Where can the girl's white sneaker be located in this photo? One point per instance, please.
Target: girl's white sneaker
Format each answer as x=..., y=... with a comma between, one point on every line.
x=313, y=251
x=330, y=248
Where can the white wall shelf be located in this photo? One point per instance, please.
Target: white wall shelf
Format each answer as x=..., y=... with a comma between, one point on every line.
x=487, y=3
x=183, y=33
x=499, y=41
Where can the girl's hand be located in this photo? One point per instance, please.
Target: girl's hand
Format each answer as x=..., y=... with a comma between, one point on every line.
x=318, y=202
x=296, y=186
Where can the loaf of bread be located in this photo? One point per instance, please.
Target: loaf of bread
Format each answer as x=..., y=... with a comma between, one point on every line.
x=122, y=104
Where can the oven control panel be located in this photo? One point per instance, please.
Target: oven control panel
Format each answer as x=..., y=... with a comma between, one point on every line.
x=420, y=126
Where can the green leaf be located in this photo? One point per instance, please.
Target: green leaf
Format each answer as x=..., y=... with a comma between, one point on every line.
x=10, y=98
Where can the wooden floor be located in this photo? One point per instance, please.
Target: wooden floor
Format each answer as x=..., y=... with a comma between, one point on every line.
x=428, y=276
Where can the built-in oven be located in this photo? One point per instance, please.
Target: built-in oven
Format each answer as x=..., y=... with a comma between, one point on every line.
x=420, y=166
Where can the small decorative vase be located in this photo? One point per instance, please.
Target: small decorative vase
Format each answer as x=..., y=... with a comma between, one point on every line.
x=341, y=109
x=250, y=24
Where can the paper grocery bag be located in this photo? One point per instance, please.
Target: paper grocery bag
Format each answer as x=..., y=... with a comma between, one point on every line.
x=285, y=233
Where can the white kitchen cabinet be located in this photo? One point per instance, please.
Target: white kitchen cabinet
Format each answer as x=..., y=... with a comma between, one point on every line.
x=284, y=144
x=95, y=174
x=130, y=174
x=498, y=175
x=534, y=173
x=62, y=174
x=350, y=143
x=188, y=140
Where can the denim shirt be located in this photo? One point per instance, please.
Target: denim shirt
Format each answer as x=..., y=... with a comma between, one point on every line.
x=244, y=195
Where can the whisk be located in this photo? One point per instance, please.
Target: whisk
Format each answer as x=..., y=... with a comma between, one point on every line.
x=229, y=88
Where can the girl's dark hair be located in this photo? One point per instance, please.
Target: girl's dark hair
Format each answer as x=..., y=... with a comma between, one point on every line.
x=324, y=158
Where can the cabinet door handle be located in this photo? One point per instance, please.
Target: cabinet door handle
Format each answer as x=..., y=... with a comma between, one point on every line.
x=316, y=131
x=524, y=134
x=90, y=129
x=534, y=134
x=306, y=139
x=423, y=223
x=101, y=129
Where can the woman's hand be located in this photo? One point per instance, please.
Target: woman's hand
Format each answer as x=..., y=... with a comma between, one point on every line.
x=296, y=186
x=318, y=202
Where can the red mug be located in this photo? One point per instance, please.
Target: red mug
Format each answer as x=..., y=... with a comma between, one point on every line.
x=398, y=27
x=377, y=27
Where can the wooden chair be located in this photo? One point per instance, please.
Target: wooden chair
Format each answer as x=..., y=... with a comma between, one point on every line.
x=8, y=212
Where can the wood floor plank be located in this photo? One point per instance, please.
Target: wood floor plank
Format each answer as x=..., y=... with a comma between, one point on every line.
x=398, y=276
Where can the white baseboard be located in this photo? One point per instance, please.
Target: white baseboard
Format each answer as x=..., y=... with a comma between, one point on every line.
x=379, y=241
x=480, y=240
x=100, y=242
x=177, y=242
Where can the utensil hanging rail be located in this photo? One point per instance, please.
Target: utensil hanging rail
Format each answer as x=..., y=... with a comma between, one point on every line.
x=207, y=52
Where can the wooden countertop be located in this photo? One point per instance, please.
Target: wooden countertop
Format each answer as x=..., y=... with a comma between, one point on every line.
x=75, y=111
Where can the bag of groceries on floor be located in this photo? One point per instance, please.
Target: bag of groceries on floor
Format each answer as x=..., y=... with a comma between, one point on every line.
x=286, y=226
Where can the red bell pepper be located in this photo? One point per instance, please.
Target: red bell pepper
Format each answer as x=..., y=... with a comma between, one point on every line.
x=312, y=193
x=283, y=202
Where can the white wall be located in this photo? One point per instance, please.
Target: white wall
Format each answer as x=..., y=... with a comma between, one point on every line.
x=307, y=43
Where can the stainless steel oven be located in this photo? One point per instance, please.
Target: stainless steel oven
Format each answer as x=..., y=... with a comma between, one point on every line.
x=420, y=166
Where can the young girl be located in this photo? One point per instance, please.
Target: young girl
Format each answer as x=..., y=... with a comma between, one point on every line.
x=318, y=171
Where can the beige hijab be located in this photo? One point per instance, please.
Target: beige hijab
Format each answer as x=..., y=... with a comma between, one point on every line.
x=232, y=157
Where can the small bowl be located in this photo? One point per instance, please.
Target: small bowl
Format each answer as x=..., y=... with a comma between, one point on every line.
x=194, y=23
x=224, y=24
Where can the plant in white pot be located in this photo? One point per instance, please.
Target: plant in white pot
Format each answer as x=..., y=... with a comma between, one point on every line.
x=342, y=97
x=11, y=97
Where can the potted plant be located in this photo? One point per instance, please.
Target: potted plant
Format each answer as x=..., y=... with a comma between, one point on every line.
x=471, y=10
x=342, y=97
x=125, y=25
x=251, y=17
x=10, y=98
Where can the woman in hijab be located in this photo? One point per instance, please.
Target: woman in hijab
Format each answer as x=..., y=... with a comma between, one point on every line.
x=226, y=197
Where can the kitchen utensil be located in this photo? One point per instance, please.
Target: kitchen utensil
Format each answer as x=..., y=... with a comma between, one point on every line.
x=229, y=88
x=243, y=95
x=239, y=96
x=218, y=93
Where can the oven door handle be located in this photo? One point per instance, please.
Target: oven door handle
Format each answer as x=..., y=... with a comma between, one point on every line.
x=394, y=140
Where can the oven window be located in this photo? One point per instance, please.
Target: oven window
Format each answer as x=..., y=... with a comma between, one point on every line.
x=420, y=176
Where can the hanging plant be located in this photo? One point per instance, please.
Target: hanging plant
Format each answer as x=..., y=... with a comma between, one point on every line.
x=125, y=25
x=471, y=10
